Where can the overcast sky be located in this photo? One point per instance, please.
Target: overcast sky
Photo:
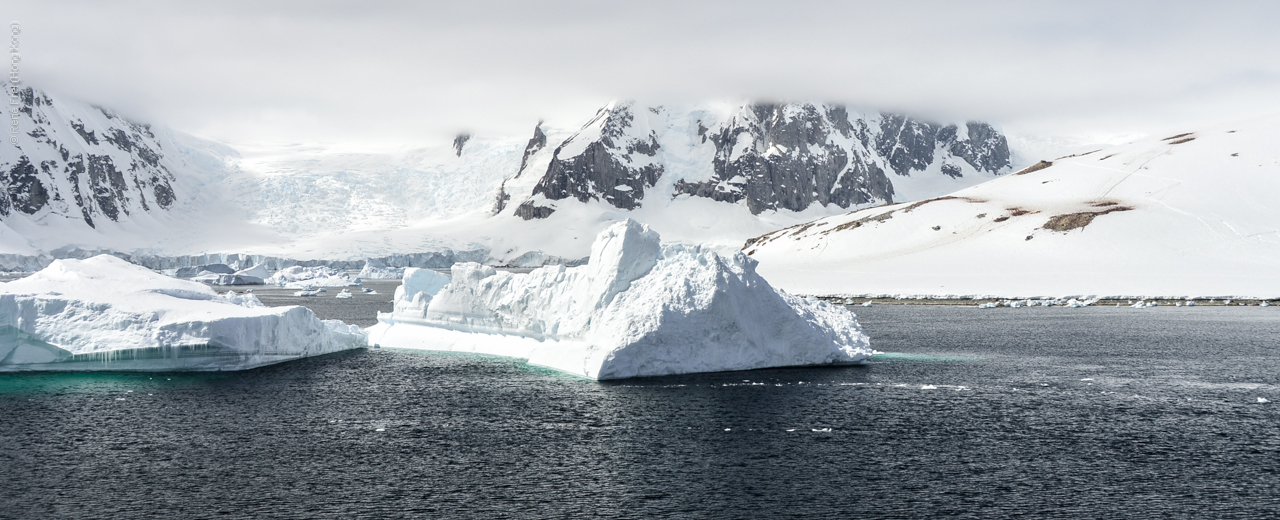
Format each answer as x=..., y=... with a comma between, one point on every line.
x=409, y=72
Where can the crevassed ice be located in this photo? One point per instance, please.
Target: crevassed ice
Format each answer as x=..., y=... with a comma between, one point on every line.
x=638, y=308
x=107, y=314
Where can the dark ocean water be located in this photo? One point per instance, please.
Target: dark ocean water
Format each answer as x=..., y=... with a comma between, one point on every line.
x=1000, y=413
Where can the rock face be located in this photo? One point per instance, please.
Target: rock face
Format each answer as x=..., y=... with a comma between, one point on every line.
x=766, y=156
x=80, y=162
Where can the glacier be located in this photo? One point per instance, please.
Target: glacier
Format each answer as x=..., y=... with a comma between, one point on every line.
x=105, y=314
x=637, y=308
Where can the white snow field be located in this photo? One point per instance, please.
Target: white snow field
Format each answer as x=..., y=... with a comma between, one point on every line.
x=106, y=314
x=638, y=308
x=1191, y=214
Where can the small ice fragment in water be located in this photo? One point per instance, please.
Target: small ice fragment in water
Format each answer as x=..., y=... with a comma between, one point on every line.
x=1087, y=379
x=1263, y=400
x=822, y=430
x=791, y=430
x=380, y=430
x=727, y=429
x=924, y=387
x=868, y=304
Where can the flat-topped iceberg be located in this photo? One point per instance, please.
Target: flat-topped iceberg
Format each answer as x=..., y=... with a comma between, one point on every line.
x=107, y=314
x=638, y=308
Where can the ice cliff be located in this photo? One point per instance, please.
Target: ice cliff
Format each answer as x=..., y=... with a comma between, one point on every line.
x=638, y=308
x=106, y=314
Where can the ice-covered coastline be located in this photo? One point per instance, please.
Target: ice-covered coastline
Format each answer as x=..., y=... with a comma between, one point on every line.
x=638, y=308
x=104, y=314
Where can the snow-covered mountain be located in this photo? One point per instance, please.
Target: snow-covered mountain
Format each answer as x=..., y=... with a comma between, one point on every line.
x=85, y=164
x=1188, y=214
x=83, y=179
x=81, y=175
x=768, y=157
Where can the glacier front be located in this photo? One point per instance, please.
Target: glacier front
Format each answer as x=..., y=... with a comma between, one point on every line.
x=105, y=314
x=638, y=308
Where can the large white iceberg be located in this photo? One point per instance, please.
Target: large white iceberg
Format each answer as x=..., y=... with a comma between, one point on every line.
x=638, y=308
x=107, y=314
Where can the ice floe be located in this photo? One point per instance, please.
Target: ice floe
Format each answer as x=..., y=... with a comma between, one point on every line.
x=638, y=308
x=298, y=277
x=104, y=313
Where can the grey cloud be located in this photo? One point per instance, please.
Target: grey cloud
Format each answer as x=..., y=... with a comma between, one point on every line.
x=408, y=71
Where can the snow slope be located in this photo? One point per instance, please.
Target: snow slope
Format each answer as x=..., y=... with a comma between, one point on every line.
x=83, y=176
x=1190, y=214
x=638, y=308
x=106, y=314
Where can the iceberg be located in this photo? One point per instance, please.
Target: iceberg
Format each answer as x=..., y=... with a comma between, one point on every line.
x=255, y=275
x=376, y=270
x=637, y=308
x=298, y=277
x=104, y=313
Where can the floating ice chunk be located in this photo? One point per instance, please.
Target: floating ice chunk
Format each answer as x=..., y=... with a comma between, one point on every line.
x=822, y=430
x=298, y=277
x=988, y=305
x=306, y=293
x=1264, y=304
x=928, y=387
x=1263, y=400
x=244, y=300
x=638, y=308
x=345, y=294
x=107, y=314
x=376, y=270
x=1190, y=303
x=1140, y=305
x=867, y=303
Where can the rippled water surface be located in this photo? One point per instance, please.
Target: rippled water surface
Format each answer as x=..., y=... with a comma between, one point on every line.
x=1038, y=413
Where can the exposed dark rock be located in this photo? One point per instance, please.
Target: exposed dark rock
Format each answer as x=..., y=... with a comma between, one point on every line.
x=1035, y=167
x=986, y=149
x=88, y=136
x=529, y=211
x=535, y=145
x=107, y=185
x=459, y=142
x=788, y=161
x=26, y=193
x=906, y=143
x=611, y=168
x=163, y=192
x=951, y=170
